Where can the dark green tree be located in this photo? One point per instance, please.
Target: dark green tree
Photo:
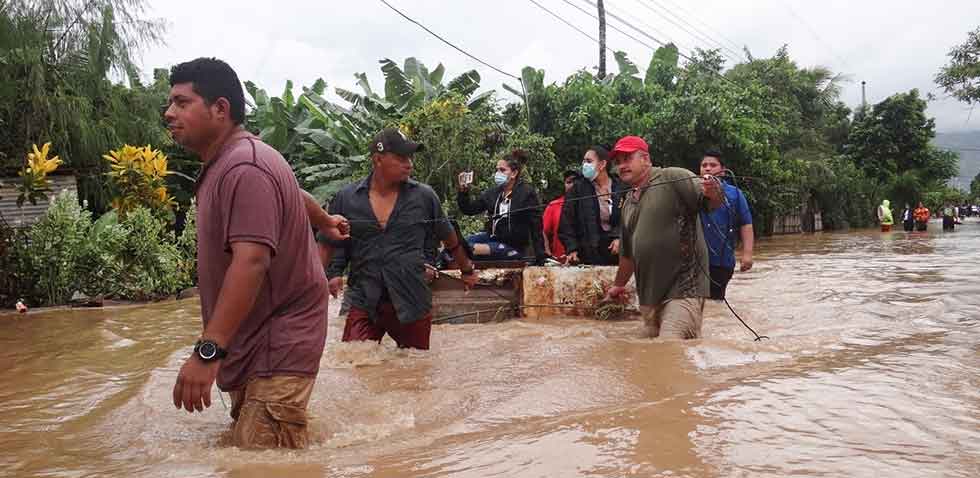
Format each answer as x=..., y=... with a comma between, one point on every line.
x=57, y=59
x=961, y=76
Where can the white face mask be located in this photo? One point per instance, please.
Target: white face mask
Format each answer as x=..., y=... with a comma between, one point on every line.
x=500, y=178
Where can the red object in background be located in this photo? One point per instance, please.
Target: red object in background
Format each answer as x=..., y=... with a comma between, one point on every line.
x=549, y=224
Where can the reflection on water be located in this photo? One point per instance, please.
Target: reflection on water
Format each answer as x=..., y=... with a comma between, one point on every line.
x=871, y=371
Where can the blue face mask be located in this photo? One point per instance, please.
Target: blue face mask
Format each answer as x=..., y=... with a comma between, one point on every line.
x=500, y=178
x=588, y=170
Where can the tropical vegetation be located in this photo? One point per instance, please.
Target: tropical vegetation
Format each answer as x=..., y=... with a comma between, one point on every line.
x=69, y=82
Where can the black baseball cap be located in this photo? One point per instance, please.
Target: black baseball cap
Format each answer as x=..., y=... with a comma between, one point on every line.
x=391, y=140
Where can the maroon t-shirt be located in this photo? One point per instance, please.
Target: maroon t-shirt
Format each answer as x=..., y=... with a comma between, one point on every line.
x=248, y=193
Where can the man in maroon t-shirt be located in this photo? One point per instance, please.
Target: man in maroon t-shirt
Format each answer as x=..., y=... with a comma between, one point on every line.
x=263, y=292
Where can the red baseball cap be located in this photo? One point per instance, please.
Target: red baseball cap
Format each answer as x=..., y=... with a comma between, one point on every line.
x=630, y=144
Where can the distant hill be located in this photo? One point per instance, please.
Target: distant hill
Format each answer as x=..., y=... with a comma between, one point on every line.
x=967, y=144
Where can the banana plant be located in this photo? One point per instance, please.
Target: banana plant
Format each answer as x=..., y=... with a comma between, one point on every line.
x=322, y=142
x=409, y=87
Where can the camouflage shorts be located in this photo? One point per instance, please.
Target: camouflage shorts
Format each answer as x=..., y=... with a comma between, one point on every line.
x=270, y=412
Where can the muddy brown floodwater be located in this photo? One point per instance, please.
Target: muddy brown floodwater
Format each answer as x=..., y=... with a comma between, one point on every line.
x=872, y=371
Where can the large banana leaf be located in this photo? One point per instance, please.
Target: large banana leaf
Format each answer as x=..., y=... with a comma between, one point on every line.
x=663, y=67
x=465, y=84
x=318, y=137
x=259, y=95
x=319, y=86
x=362, y=81
x=418, y=74
x=287, y=95
x=436, y=76
x=480, y=100
x=398, y=88
x=627, y=69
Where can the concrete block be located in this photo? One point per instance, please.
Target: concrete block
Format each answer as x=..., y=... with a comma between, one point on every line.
x=568, y=291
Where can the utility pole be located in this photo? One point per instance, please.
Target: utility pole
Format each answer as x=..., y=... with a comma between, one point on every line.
x=864, y=102
x=602, y=39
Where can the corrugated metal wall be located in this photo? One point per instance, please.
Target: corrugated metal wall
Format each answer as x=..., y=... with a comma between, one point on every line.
x=29, y=213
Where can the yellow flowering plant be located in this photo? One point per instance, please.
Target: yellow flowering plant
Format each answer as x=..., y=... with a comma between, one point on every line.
x=139, y=175
x=34, y=175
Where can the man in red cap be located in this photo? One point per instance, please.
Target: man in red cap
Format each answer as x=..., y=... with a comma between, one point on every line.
x=662, y=241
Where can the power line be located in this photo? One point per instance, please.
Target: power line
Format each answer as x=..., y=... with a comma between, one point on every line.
x=695, y=15
x=527, y=104
x=566, y=22
x=632, y=27
x=814, y=33
x=612, y=26
x=643, y=33
x=696, y=34
x=654, y=30
x=447, y=42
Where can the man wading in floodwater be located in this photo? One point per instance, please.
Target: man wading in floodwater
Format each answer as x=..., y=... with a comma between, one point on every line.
x=391, y=217
x=662, y=241
x=263, y=292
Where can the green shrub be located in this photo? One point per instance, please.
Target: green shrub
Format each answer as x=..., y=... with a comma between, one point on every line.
x=54, y=249
x=141, y=259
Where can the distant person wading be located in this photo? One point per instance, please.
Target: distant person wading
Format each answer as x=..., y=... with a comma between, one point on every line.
x=921, y=216
x=885, y=216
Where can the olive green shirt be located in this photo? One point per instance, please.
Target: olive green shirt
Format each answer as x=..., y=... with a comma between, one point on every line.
x=662, y=235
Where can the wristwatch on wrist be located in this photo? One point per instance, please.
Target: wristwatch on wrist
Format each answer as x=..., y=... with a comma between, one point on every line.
x=209, y=351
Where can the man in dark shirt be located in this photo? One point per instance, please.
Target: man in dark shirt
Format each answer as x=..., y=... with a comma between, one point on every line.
x=336, y=262
x=391, y=216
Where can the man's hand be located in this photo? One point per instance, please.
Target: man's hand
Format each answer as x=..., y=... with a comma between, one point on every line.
x=571, y=258
x=335, y=285
x=341, y=223
x=193, y=388
x=746, y=263
x=712, y=189
x=338, y=228
x=616, y=293
x=614, y=246
x=469, y=280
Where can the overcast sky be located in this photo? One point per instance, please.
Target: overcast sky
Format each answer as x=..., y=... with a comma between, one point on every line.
x=892, y=45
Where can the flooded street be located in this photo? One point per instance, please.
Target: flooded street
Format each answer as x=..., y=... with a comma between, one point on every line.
x=871, y=370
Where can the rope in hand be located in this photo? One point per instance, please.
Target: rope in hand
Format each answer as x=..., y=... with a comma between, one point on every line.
x=394, y=225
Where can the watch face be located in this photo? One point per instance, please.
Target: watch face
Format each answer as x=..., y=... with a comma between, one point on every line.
x=208, y=350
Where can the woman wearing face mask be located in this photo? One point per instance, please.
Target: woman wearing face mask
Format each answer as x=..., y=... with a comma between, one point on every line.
x=589, y=226
x=507, y=234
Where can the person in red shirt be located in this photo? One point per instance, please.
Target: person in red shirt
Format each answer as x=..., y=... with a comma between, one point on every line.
x=552, y=216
